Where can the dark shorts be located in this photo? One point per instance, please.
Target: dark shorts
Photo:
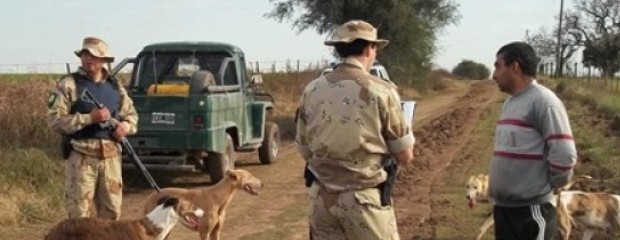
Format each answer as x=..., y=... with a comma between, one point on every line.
x=535, y=222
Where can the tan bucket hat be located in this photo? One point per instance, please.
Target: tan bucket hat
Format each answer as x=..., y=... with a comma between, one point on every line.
x=356, y=29
x=97, y=47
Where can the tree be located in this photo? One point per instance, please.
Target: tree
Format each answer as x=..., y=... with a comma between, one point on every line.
x=545, y=45
x=597, y=22
x=410, y=25
x=471, y=70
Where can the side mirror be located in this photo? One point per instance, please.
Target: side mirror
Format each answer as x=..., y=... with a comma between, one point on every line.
x=256, y=79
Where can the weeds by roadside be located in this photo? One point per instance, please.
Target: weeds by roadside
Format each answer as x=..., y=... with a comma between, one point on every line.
x=596, y=126
x=31, y=188
x=31, y=180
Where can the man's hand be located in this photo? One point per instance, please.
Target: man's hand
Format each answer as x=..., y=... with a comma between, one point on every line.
x=100, y=115
x=404, y=157
x=121, y=130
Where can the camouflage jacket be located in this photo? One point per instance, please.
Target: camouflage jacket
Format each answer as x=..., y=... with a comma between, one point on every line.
x=60, y=120
x=347, y=120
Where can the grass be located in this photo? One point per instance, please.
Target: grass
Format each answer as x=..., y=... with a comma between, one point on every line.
x=31, y=187
x=594, y=115
x=31, y=181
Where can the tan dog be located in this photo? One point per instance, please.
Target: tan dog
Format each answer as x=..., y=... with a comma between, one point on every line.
x=213, y=200
x=156, y=225
x=593, y=210
x=477, y=189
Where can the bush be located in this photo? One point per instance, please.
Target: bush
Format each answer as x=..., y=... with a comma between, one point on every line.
x=471, y=70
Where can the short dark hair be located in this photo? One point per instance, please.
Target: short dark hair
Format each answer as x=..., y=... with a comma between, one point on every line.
x=351, y=49
x=521, y=53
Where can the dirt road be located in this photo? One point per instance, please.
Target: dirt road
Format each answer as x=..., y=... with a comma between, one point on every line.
x=442, y=125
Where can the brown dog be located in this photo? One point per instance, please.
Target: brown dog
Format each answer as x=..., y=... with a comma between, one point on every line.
x=156, y=225
x=213, y=200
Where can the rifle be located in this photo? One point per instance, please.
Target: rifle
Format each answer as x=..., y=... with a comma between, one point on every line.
x=386, y=188
x=87, y=96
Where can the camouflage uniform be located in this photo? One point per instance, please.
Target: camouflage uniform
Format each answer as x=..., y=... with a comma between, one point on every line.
x=347, y=120
x=93, y=169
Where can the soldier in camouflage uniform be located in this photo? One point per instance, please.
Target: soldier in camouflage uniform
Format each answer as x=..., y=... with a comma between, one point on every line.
x=93, y=164
x=347, y=121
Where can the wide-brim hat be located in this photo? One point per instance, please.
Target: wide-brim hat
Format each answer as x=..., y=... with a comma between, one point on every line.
x=96, y=47
x=353, y=30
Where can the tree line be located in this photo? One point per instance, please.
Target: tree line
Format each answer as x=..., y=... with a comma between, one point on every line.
x=592, y=27
x=411, y=26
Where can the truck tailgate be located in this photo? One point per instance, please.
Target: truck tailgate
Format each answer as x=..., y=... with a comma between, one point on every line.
x=165, y=113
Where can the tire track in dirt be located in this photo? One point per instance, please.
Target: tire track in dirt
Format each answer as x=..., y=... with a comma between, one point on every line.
x=438, y=142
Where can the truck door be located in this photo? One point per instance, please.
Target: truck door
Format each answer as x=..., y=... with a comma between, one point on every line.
x=229, y=77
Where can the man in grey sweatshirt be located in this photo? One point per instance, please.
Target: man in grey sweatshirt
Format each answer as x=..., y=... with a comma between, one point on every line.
x=534, y=149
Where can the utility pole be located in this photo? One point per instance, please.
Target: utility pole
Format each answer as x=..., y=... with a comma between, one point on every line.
x=558, y=64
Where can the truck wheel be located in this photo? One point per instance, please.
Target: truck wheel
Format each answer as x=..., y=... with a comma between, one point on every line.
x=218, y=163
x=268, y=152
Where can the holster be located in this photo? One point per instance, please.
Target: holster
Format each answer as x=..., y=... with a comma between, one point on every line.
x=309, y=176
x=386, y=188
x=65, y=146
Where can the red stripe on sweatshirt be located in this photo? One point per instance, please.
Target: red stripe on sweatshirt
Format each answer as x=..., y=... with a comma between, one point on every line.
x=515, y=122
x=561, y=167
x=559, y=137
x=519, y=156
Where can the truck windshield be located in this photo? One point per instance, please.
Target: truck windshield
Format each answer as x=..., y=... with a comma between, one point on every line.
x=176, y=67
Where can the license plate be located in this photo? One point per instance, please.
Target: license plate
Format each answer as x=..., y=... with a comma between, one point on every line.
x=162, y=118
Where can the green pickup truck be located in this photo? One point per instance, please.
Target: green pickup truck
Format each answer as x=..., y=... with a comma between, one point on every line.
x=198, y=106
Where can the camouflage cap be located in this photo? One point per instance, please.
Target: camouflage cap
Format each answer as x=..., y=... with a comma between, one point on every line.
x=96, y=47
x=355, y=29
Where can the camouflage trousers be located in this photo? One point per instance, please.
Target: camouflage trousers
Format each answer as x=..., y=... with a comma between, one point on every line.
x=351, y=215
x=93, y=184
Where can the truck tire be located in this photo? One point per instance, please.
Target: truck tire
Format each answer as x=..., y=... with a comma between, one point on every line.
x=268, y=151
x=218, y=163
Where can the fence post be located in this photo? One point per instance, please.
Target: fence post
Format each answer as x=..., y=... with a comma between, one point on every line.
x=589, y=74
x=576, y=73
x=298, y=72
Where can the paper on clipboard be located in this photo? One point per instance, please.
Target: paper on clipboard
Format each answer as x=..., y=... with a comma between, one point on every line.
x=409, y=111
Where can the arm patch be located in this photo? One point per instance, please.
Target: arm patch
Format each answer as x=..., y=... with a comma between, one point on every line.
x=51, y=99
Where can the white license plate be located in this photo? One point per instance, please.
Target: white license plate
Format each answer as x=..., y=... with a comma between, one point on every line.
x=162, y=118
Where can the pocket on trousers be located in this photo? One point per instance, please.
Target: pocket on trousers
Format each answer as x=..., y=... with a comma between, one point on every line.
x=370, y=198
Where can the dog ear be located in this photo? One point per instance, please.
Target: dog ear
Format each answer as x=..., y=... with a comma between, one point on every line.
x=232, y=174
x=168, y=201
x=171, y=202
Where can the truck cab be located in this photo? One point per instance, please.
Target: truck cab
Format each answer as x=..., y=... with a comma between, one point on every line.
x=197, y=107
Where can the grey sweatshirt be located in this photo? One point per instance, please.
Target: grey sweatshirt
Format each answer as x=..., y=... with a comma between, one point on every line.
x=534, y=148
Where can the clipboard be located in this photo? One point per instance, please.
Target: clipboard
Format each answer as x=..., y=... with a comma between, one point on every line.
x=409, y=108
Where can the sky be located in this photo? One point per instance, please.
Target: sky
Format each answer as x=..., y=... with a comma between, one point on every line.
x=45, y=33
